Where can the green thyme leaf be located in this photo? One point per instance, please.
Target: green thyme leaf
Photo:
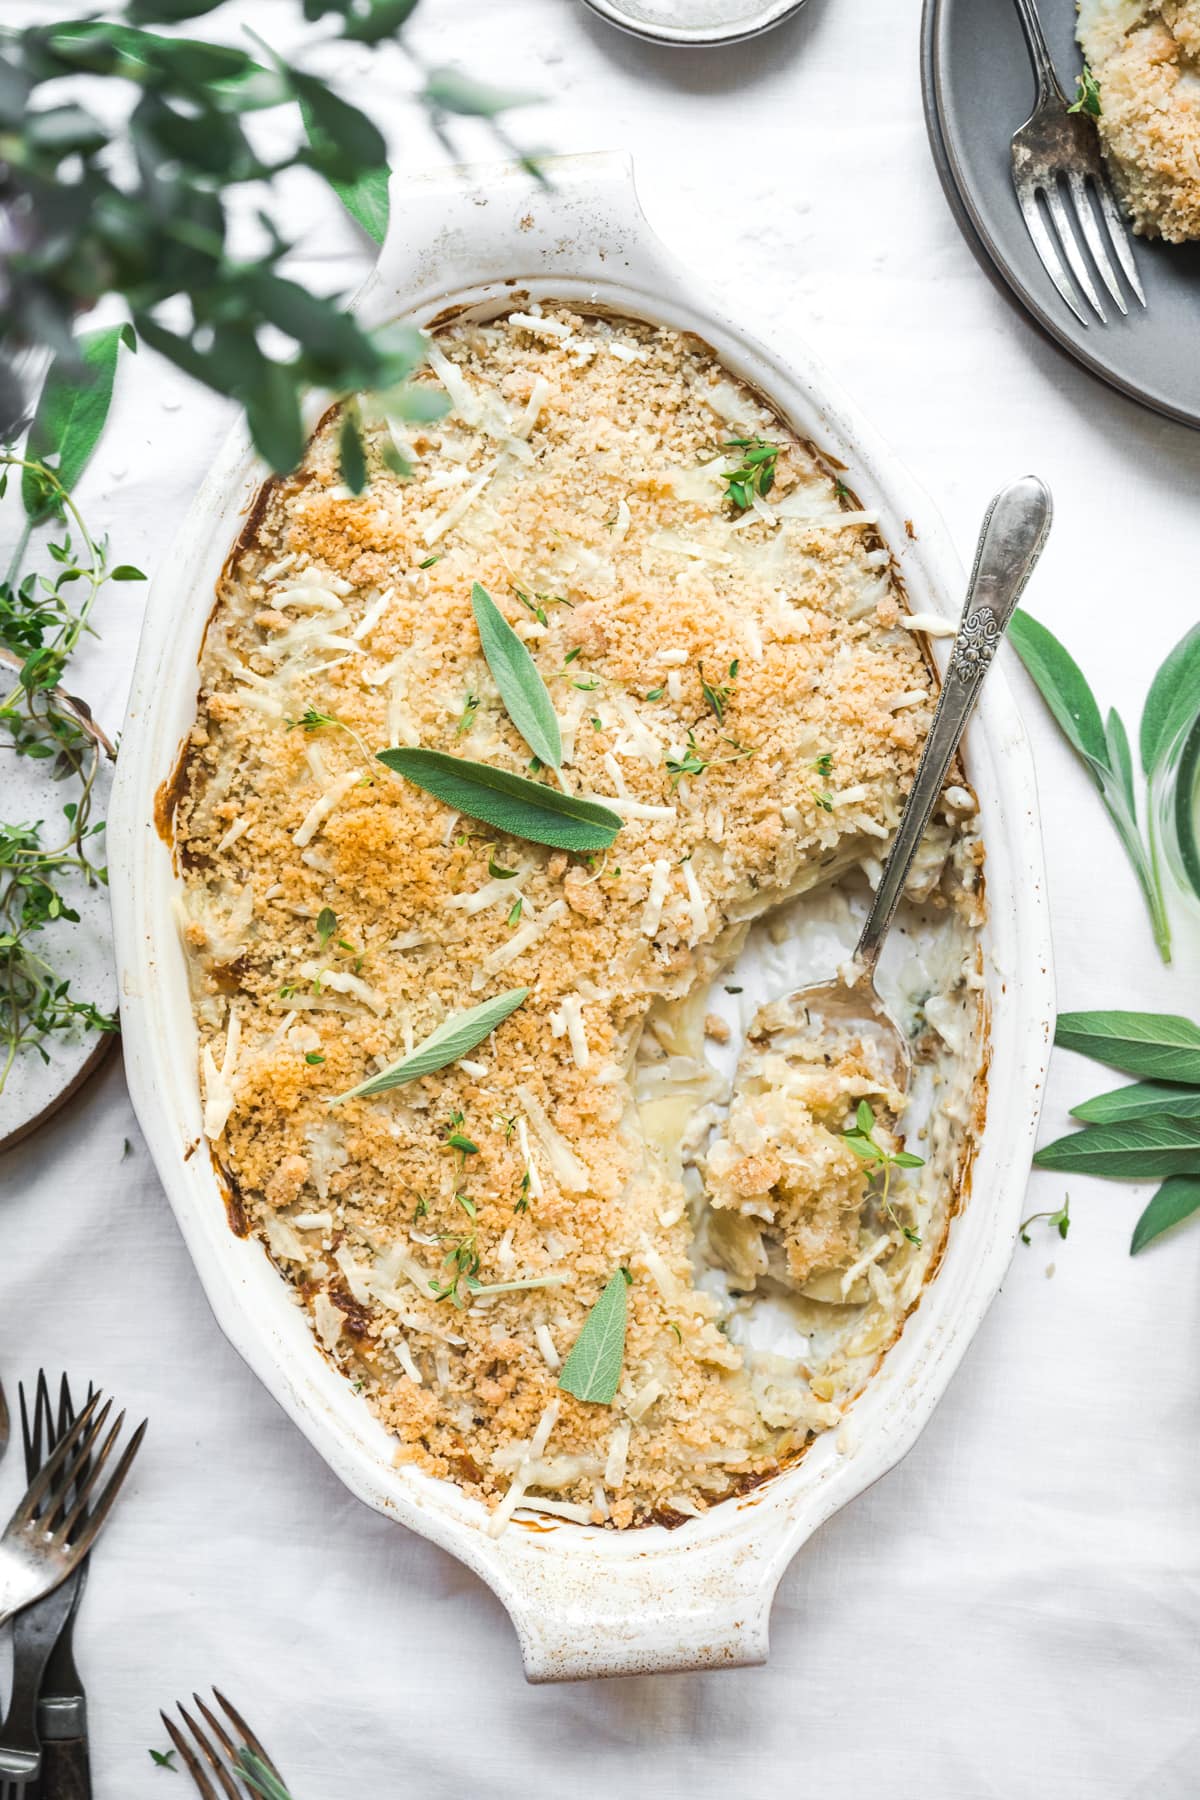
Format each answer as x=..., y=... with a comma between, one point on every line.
x=1140, y=1100
x=454, y=1038
x=164, y=1759
x=326, y=925
x=71, y=412
x=1059, y=1221
x=1131, y=1150
x=1177, y=1199
x=754, y=475
x=524, y=693
x=1161, y=1046
x=1087, y=94
x=593, y=1368
x=522, y=808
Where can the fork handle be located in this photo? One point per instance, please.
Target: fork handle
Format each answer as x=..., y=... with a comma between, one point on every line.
x=1014, y=530
x=66, y=1770
x=1049, y=86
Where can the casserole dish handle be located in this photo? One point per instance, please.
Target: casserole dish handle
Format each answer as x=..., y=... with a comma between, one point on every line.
x=452, y=230
x=696, y=1605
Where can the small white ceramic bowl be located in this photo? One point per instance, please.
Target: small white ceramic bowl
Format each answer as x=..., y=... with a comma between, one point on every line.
x=585, y=1601
x=695, y=22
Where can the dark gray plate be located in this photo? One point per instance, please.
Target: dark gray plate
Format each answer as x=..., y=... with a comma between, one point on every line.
x=978, y=90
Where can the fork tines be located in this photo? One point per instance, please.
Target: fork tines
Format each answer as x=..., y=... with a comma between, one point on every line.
x=216, y=1761
x=1056, y=166
x=56, y=1505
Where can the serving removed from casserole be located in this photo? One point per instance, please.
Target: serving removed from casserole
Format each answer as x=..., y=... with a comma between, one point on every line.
x=519, y=779
x=1144, y=67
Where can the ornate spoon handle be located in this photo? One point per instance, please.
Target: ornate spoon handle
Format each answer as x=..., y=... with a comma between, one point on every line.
x=1014, y=532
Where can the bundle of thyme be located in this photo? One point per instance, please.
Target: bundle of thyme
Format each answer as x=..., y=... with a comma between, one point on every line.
x=43, y=615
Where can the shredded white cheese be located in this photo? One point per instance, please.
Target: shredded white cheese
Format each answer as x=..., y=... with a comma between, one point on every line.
x=218, y=1083
x=660, y=882
x=517, y=944
x=618, y=1455
x=696, y=906
x=321, y=808
x=568, y=1171
x=443, y=522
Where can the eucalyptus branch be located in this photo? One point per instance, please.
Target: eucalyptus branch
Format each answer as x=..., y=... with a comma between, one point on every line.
x=142, y=208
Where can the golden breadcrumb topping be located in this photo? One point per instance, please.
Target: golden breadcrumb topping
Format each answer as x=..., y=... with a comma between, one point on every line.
x=1146, y=59
x=736, y=682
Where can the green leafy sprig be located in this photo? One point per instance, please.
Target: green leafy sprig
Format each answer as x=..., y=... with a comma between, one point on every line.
x=879, y=1161
x=1148, y=1131
x=1103, y=743
x=754, y=474
x=126, y=152
x=43, y=615
x=1087, y=94
x=1058, y=1220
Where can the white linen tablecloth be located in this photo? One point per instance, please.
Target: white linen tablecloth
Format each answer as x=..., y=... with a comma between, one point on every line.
x=1013, y=1612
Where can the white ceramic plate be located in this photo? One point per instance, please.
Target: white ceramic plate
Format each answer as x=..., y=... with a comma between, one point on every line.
x=584, y=1601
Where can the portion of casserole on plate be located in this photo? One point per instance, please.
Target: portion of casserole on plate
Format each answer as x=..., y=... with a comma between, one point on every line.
x=736, y=678
x=1145, y=58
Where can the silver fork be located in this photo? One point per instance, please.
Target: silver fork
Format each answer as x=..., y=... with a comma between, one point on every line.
x=1057, y=150
x=242, y=1769
x=41, y=1631
x=49, y=1535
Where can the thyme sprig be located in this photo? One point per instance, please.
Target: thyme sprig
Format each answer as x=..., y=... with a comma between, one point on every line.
x=878, y=1160
x=755, y=474
x=41, y=623
x=692, y=762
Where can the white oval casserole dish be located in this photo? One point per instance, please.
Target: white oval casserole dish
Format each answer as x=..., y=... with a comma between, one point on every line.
x=585, y=1601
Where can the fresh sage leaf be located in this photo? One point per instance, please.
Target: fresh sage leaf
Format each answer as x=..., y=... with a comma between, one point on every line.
x=1061, y=683
x=524, y=693
x=1161, y=1046
x=1184, y=802
x=593, y=1368
x=522, y=808
x=1132, y=1150
x=365, y=195
x=1175, y=1200
x=1103, y=748
x=1140, y=1100
x=1173, y=700
x=257, y=1776
x=71, y=413
x=1120, y=758
x=458, y=1035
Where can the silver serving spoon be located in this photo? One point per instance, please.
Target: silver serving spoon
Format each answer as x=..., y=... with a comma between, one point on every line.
x=1010, y=542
